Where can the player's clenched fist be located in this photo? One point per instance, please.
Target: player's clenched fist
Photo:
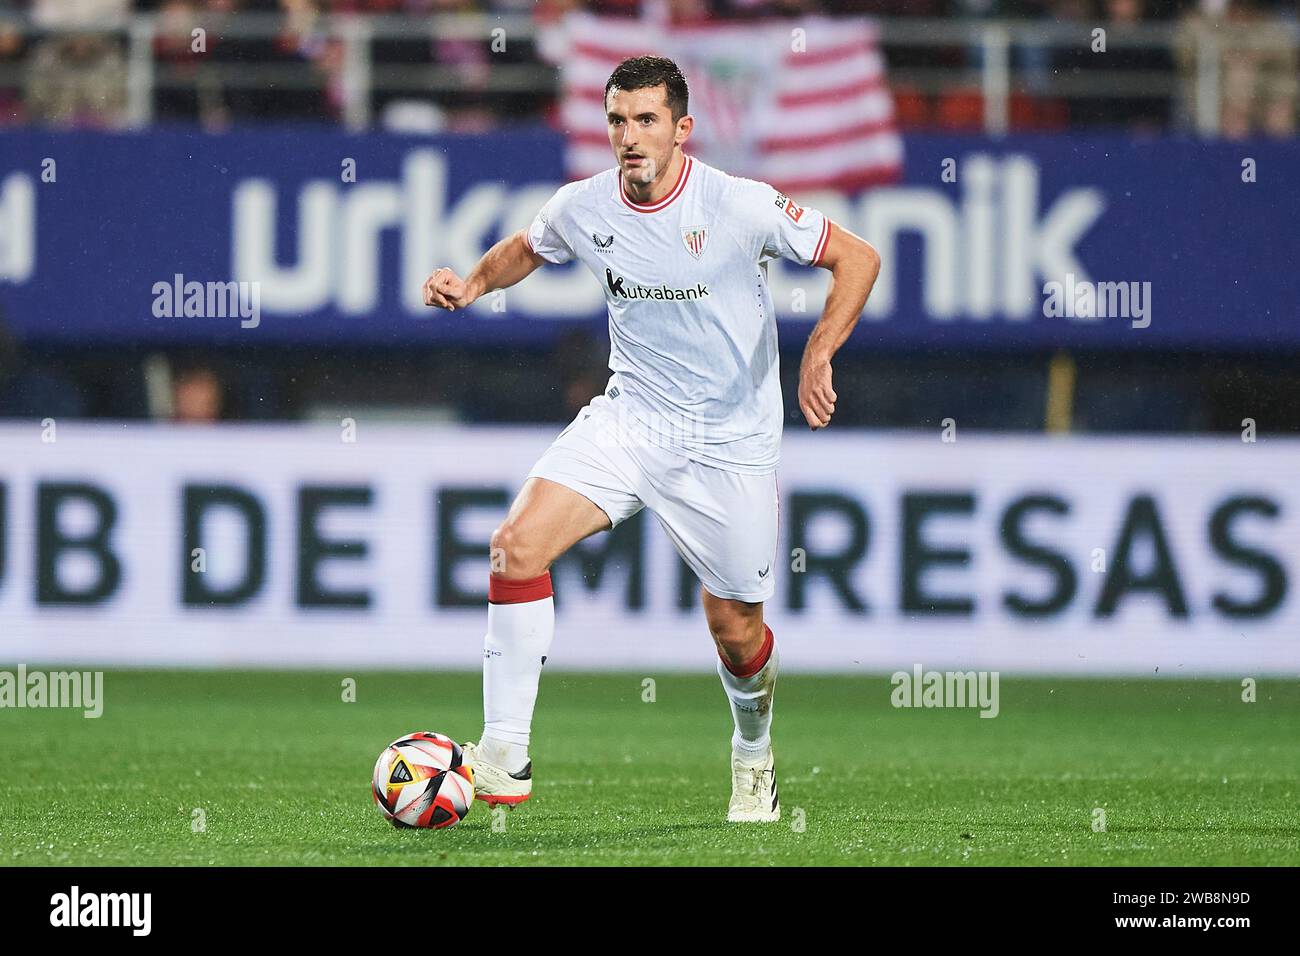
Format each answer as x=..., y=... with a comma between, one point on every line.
x=816, y=396
x=446, y=290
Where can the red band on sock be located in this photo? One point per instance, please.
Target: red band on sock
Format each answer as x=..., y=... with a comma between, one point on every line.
x=759, y=661
x=501, y=591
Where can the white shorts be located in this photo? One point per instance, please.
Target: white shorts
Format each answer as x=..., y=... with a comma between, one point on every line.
x=723, y=524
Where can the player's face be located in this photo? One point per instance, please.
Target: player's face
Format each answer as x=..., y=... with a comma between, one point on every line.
x=641, y=131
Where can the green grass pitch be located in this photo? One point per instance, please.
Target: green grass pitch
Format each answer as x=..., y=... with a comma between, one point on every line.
x=1186, y=772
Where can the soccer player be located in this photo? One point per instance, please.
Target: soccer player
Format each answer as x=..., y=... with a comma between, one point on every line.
x=690, y=422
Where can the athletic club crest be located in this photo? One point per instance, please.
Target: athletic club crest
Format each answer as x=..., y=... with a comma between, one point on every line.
x=695, y=238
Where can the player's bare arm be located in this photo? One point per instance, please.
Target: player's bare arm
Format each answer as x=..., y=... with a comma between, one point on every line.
x=509, y=261
x=854, y=265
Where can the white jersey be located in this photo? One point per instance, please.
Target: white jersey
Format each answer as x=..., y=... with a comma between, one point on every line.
x=692, y=330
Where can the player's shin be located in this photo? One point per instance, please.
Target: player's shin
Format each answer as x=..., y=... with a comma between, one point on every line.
x=750, y=688
x=521, y=624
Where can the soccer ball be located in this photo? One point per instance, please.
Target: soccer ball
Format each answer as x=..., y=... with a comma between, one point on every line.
x=421, y=780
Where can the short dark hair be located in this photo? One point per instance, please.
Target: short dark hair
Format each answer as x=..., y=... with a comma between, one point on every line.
x=640, y=72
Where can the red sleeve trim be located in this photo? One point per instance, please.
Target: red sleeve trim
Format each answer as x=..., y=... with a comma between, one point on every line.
x=822, y=242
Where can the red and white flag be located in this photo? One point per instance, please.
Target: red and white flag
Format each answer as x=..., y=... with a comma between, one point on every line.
x=801, y=104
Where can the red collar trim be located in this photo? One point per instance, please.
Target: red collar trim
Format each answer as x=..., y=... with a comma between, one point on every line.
x=655, y=207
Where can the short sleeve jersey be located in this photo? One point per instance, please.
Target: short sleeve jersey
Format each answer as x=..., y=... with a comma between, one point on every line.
x=692, y=328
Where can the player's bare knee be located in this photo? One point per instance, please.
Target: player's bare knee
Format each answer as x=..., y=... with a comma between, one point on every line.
x=731, y=643
x=513, y=555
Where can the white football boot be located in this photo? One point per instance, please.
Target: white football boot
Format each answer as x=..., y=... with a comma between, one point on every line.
x=493, y=784
x=753, y=790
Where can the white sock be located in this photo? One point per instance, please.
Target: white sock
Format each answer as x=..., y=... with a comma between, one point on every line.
x=521, y=624
x=751, y=700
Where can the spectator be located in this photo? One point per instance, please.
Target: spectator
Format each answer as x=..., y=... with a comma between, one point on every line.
x=179, y=64
x=1257, y=66
x=1122, y=66
x=77, y=80
x=304, y=39
x=198, y=396
x=470, y=58
x=12, y=51
x=208, y=83
x=904, y=56
x=94, y=15
x=77, y=74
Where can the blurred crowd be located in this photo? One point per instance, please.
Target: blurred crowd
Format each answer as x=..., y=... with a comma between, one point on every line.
x=66, y=63
x=71, y=67
x=1178, y=392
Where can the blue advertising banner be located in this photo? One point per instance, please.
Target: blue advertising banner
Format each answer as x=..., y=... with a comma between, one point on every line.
x=317, y=237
